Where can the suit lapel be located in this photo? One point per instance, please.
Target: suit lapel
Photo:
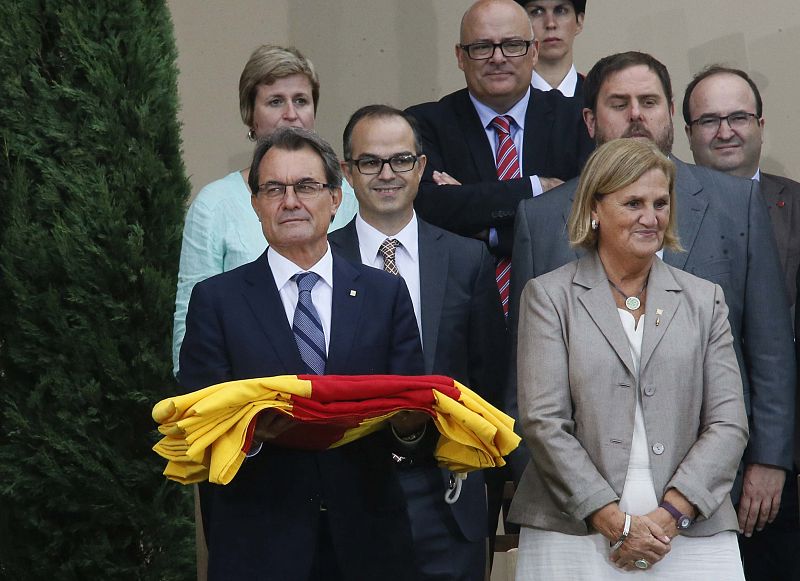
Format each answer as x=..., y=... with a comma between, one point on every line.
x=433, y=273
x=264, y=300
x=692, y=204
x=662, y=302
x=475, y=136
x=538, y=121
x=348, y=296
x=772, y=191
x=601, y=306
x=345, y=242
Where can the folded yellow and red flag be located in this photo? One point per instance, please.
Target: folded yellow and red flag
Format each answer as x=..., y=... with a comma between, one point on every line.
x=207, y=433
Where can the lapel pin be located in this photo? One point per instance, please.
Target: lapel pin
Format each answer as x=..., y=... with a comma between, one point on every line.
x=353, y=293
x=659, y=312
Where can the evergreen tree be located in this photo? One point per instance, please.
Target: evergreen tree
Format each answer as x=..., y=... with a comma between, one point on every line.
x=92, y=194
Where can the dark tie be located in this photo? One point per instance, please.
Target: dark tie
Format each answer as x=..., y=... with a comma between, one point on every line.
x=307, y=327
x=507, y=162
x=388, y=250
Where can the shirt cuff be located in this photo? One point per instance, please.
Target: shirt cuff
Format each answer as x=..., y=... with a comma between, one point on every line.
x=254, y=450
x=494, y=239
x=536, y=186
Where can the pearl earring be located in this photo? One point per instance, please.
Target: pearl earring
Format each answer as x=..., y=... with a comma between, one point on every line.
x=595, y=224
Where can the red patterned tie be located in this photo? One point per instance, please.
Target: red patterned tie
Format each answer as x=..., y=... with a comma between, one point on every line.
x=507, y=162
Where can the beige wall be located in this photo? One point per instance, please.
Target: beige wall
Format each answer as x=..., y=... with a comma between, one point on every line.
x=401, y=53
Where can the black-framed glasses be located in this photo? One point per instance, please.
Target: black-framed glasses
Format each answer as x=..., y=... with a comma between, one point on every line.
x=479, y=51
x=711, y=123
x=307, y=190
x=370, y=166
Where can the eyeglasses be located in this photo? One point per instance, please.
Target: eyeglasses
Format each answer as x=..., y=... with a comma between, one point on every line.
x=479, y=51
x=370, y=166
x=303, y=190
x=710, y=123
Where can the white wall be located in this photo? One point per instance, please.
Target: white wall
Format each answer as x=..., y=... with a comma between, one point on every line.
x=401, y=53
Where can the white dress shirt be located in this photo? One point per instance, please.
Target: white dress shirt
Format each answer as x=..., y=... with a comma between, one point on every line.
x=284, y=269
x=406, y=256
x=566, y=88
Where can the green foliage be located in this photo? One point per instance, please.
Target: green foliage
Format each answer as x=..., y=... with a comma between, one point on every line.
x=92, y=193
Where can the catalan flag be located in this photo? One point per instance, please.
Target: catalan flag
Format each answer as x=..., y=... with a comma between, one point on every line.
x=207, y=433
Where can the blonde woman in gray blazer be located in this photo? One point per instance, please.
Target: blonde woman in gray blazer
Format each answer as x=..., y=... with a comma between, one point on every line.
x=630, y=396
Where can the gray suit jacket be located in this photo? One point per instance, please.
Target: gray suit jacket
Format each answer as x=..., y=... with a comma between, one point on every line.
x=783, y=201
x=463, y=332
x=725, y=229
x=578, y=390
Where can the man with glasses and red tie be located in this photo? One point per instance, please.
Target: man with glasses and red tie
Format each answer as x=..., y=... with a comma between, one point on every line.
x=498, y=141
x=452, y=286
x=298, y=309
x=493, y=144
x=723, y=111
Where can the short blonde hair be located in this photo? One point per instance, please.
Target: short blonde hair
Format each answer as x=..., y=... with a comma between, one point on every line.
x=267, y=64
x=613, y=166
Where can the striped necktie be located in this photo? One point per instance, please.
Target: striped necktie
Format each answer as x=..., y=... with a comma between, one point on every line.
x=507, y=162
x=307, y=327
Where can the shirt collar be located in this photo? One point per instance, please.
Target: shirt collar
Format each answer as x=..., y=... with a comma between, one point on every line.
x=757, y=175
x=370, y=238
x=284, y=269
x=566, y=88
x=517, y=112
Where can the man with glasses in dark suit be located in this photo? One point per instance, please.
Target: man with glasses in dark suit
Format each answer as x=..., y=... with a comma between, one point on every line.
x=292, y=514
x=723, y=111
x=451, y=281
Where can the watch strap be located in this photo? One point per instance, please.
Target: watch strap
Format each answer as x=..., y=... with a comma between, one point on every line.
x=681, y=520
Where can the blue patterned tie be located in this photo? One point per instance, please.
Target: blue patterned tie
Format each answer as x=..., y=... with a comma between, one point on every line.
x=307, y=327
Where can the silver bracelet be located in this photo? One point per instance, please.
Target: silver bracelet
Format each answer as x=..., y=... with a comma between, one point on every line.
x=625, y=530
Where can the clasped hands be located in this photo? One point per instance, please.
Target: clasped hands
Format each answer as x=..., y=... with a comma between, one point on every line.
x=271, y=424
x=649, y=536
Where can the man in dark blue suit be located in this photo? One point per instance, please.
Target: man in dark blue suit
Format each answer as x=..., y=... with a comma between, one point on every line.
x=452, y=286
x=292, y=514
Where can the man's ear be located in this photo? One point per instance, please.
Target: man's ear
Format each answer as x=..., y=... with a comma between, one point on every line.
x=336, y=195
x=347, y=171
x=422, y=161
x=460, y=57
x=253, y=204
x=589, y=120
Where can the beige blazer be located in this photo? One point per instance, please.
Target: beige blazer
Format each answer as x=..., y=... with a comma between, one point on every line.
x=577, y=396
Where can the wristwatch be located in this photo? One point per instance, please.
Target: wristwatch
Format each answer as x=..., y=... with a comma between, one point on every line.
x=682, y=521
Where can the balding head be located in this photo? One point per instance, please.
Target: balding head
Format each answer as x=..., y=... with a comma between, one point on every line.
x=479, y=8
x=498, y=81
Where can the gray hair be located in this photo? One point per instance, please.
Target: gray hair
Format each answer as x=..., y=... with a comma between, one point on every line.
x=295, y=139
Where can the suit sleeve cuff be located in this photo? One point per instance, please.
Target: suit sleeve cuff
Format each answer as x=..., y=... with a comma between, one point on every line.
x=536, y=186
